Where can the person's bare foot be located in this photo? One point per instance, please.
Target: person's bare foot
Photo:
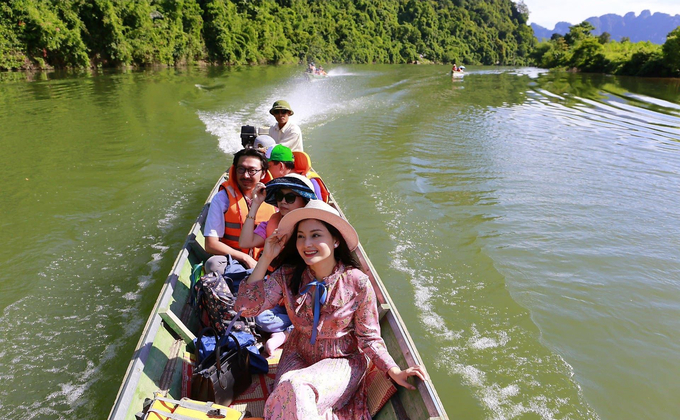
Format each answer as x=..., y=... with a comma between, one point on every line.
x=274, y=342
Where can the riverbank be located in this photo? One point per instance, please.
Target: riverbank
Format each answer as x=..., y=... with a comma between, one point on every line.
x=108, y=33
x=581, y=50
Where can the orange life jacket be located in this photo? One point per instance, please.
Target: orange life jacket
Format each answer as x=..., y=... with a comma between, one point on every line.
x=273, y=223
x=236, y=214
x=303, y=166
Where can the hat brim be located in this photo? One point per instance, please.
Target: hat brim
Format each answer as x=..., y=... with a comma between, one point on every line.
x=348, y=233
x=271, y=111
x=301, y=188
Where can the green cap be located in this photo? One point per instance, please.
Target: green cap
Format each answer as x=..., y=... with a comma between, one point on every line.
x=281, y=153
x=281, y=105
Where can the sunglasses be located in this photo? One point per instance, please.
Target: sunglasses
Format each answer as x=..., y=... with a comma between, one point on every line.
x=280, y=111
x=289, y=197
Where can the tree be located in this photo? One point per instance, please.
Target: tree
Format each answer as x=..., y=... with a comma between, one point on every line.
x=81, y=33
x=604, y=38
x=588, y=56
x=578, y=32
x=671, y=51
x=523, y=11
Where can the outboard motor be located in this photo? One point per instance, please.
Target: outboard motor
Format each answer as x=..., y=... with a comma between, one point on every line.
x=248, y=134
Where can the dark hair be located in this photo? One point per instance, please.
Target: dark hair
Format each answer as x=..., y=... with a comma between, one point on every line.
x=290, y=256
x=251, y=153
x=289, y=165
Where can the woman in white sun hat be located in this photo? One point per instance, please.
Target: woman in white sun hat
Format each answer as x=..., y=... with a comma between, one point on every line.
x=333, y=308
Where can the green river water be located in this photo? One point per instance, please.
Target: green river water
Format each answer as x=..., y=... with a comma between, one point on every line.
x=526, y=224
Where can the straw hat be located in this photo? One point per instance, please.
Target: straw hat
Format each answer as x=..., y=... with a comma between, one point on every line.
x=317, y=209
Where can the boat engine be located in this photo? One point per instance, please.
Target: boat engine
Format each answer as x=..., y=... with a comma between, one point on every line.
x=248, y=134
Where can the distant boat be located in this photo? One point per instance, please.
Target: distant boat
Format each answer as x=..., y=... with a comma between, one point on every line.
x=209, y=87
x=459, y=73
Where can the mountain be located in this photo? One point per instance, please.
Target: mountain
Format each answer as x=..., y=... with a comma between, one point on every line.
x=645, y=27
x=543, y=33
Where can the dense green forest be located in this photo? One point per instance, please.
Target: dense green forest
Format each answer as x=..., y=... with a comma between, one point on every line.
x=579, y=49
x=107, y=33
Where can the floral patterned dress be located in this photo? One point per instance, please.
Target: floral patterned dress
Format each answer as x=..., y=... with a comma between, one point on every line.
x=323, y=380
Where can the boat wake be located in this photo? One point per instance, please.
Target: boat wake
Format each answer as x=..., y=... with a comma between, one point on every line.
x=478, y=338
x=314, y=104
x=340, y=72
x=79, y=349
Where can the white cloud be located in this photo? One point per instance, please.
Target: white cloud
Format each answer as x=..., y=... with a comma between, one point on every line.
x=548, y=12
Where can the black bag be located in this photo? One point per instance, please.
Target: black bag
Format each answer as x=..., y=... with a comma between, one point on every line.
x=223, y=375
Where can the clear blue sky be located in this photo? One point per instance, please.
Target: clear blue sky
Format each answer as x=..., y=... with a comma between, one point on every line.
x=548, y=12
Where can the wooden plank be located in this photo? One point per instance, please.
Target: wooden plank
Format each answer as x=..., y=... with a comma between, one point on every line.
x=387, y=412
x=178, y=327
x=383, y=309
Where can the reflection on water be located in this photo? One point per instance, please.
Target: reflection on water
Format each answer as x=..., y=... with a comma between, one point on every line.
x=524, y=221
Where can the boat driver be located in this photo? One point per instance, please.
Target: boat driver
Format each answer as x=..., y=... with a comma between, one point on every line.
x=285, y=132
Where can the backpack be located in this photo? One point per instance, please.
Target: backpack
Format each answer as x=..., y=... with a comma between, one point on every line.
x=214, y=302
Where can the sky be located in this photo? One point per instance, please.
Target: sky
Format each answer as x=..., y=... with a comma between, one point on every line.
x=548, y=12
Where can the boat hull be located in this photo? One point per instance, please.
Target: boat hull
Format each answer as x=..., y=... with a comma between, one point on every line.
x=161, y=353
x=313, y=76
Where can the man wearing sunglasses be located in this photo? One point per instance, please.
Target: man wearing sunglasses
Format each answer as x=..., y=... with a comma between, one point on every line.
x=285, y=132
x=230, y=207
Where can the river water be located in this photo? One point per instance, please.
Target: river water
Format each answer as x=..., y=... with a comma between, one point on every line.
x=526, y=224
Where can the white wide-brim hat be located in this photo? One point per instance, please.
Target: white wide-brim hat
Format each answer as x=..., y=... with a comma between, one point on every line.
x=317, y=209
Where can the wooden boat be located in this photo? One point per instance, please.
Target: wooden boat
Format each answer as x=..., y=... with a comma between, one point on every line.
x=160, y=357
x=457, y=73
x=313, y=76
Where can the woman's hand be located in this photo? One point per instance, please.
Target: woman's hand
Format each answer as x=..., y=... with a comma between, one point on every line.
x=273, y=245
x=248, y=261
x=400, y=376
x=259, y=193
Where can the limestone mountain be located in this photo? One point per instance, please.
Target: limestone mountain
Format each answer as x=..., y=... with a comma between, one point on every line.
x=644, y=27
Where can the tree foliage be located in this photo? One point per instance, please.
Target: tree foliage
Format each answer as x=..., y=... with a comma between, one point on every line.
x=604, y=38
x=581, y=50
x=671, y=52
x=81, y=33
